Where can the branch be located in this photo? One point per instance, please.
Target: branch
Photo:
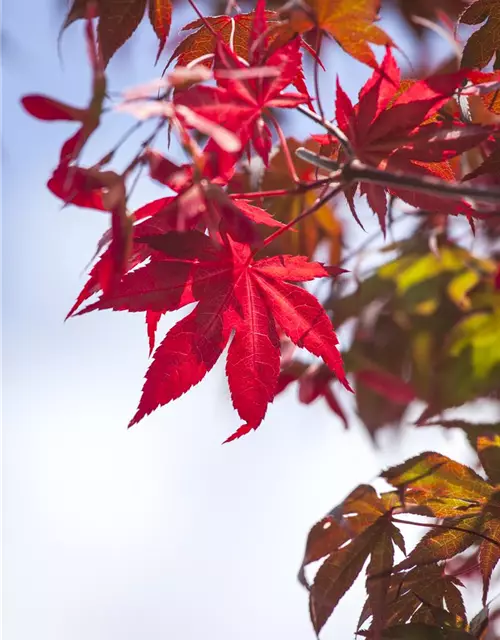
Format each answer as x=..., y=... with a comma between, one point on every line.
x=357, y=171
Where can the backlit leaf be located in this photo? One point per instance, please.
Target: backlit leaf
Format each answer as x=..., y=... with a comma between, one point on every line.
x=350, y=22
x=485, y=42
x=118, y=19
x=160, y=16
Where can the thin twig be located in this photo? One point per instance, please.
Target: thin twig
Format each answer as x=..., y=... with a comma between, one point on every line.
x=203, y=19
x=302, y=187
x=330, y=127
x=316, y=74
x=309, y=211
x=320, y=162
x=286, y=150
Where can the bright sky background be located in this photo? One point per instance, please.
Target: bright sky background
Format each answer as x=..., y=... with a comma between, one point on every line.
x=158, y=531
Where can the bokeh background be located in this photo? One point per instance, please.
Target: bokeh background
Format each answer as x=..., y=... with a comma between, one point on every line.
x=157, y=531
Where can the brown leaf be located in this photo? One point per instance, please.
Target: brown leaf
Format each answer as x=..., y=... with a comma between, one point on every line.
x=378, y=573
x=203, y=42
x=160, y=16
x=489, y=555
x=485, y=42
x=443, y=544
x=418, y=591
x=118, y=21
x=338, y=573
x=356, y=528
x=436, y=476
x=488, y=449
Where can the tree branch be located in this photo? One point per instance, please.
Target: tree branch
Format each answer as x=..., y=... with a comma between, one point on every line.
x=357, y=171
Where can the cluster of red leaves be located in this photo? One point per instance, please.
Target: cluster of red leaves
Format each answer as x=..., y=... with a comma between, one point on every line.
x=201, y=243
x=206, y=243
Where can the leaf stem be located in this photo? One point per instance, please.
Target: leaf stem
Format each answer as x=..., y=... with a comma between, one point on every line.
x=203, y=19
x=302, y=187
x=286, y=150
x=319, y=40
x=254, y=195
x=309, y=211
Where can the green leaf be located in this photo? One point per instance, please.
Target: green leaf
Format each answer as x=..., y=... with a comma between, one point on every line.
x=460, y=286
x=438, y=476
x=480, y=334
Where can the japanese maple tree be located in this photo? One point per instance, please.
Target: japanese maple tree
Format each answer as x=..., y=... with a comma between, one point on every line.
x=253, y=221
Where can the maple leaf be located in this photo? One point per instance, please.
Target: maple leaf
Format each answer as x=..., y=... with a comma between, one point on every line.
x=160, y=16
x=418, y=594
x=485, y=42
x=234, y=294
x=240, y=106
x=194, y=203
x=468, y=505
x=202, y=200
x=360, y=527
x=240, y=33
x=147, y=221
x=397, y=134
x=118, y=20
x=232, y=30
x=349, y=22
x=109, y=190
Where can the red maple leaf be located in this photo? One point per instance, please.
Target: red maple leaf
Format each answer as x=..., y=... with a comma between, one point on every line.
x=235, y=294
x=247, y=34
x=241, y=104
x=402, y=134
x=202, y=202
x=146, y=222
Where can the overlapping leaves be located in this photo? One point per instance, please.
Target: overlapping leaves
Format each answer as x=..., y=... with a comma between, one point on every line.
x=426, y=327
x=118, y=19
x=426, y=323
x=235, y=294
x=415, y=592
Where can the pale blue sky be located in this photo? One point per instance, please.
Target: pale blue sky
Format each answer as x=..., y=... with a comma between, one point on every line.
x=159, y=531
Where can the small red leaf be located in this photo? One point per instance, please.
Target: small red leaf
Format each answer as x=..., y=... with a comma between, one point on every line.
x=45, y=108
x=387, y=385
